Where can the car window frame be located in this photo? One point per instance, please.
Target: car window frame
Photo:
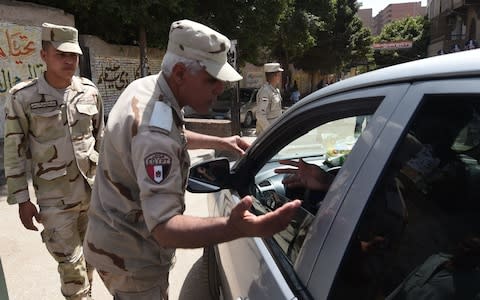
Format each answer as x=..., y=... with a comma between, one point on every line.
x=331, y=108
x=344, y=224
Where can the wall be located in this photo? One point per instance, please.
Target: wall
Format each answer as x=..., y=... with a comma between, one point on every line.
x=26, y=13
x=113, y=67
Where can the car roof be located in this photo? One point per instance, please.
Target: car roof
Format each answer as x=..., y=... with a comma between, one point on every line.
x=460, y=64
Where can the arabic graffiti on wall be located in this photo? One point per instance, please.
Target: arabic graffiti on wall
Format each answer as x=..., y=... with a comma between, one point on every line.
x=19, y=58
x=113, y=74
x=19, y=54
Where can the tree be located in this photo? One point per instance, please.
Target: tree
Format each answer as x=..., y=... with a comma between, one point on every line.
x=124, y=21
x=415, y=29
x=343, y=42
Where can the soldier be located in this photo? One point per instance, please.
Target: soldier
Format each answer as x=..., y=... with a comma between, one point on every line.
x=136, y=218
x=269, y=99
x=56, y=120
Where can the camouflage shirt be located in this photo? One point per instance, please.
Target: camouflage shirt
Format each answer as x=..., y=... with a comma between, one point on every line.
x=60, y=131
x=141, y=180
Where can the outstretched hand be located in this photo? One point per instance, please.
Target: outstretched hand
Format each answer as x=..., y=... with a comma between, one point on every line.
x=305, y=175
x=28, y=211
x=235, y=144
x=246, y=224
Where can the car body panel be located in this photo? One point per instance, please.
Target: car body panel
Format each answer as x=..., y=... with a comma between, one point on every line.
x=250, y=267
x=240, y=286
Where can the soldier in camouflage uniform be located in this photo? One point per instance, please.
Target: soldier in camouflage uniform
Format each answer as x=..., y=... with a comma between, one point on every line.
x=269, y=99
x=56, y=121
x=136, y=217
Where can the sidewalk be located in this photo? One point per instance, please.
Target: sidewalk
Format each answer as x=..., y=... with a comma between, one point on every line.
x=31, y=273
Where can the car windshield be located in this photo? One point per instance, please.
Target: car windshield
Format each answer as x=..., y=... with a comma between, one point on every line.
x=333, y=140
x=245, y=95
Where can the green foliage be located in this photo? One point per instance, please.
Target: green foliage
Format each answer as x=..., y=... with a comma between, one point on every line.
x=342, y=42
x=253, y=23
x=414, y=29
x=314, y=34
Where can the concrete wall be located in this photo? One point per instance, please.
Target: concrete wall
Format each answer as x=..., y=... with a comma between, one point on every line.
x=113, y=67
x=25, y=13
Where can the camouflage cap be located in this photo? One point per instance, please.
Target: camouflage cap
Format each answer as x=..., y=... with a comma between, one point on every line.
x=196, y=41
x=63, y=38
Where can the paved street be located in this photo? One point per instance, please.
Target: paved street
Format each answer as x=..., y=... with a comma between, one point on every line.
x=31, y=273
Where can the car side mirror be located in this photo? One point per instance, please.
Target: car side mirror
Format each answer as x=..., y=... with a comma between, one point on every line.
x=210, y=176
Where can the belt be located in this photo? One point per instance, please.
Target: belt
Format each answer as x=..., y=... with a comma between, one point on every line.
x=56, y=202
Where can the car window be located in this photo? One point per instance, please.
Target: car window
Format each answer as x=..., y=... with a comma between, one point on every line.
x=327, y=147
x=420, y=232
x=334, y=140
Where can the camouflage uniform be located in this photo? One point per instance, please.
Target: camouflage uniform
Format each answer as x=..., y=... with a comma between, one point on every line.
x=141, y=183
x=60, y=134
x=269, y=106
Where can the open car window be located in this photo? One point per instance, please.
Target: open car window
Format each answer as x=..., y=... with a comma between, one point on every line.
x=327, y=147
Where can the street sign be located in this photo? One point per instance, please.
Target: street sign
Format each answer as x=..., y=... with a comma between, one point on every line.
x=393, y=45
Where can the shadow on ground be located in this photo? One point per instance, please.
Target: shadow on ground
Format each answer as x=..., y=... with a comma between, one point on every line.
x=195, y=285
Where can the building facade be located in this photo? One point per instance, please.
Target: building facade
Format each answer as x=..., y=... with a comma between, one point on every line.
x=455, y=25
x=366, y=16
x=396, y=12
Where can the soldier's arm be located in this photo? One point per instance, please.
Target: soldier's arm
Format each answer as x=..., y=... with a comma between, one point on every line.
x=234, y=144
x=182, y=231
x=262, y=107
x=99, y=123
x=16, y=150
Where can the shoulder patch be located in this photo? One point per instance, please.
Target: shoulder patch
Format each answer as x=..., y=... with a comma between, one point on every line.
x=87, y=81
x=158, y=166
x=22, y=85
x=162, y=117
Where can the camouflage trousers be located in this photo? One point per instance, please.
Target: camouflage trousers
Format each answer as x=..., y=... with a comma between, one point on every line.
x=144, y=286
x=63, y=234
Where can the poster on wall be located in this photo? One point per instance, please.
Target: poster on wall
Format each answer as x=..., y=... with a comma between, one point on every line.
x=113, y=74
x=19, y=58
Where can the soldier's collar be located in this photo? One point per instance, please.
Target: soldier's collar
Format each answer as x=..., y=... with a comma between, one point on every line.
x=76, y=84
x=168, y=96
x=271, y=86
x=45, y=89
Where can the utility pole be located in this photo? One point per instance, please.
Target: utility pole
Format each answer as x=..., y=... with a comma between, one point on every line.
x=235, y=105
x=143, y=51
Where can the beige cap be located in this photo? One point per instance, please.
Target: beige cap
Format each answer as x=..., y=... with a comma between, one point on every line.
x=63, y=38
x=272, y=67
x=196, y=41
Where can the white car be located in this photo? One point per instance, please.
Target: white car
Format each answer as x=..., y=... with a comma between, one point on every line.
x=221, y=109
x=401, y=219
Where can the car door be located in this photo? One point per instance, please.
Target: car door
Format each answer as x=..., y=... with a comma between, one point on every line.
x=422, y=221
x=279, y=268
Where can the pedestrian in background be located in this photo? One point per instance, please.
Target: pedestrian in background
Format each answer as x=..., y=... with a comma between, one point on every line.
x=295, y=95
x=56, y=120
x=269, y=99
x=136, y=218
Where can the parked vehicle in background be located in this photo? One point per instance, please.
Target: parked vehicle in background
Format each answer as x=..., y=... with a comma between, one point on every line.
x=221, y=109
x=404, y=145
x=248, y=104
